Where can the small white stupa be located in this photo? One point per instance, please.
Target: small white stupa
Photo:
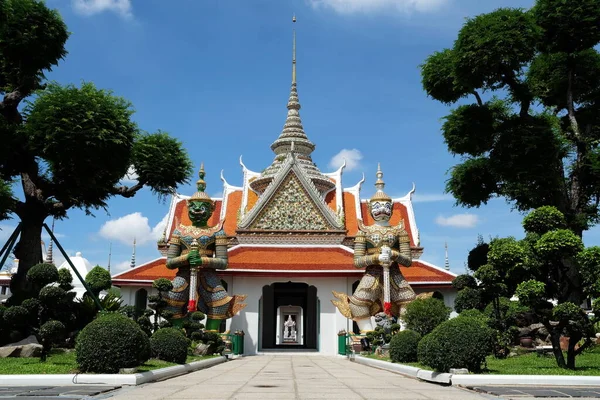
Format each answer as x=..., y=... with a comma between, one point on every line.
x=83, y=266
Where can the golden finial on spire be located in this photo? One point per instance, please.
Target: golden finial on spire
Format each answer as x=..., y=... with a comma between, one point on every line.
x=201, y=185
x=294, y=53
x=379, y=185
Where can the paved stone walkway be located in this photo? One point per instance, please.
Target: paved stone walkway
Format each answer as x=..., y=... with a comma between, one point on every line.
x=295, y=377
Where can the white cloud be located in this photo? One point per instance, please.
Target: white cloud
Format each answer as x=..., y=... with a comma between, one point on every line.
x=352, y=158
x=370, y=6
x=130, y=177
x=120, y=267
x=91, y=7
x=430, y=197
x=131, y=226
x=458, y=220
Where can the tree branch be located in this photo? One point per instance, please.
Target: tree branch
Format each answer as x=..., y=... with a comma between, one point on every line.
x=128, y=191
x=520, y=93
x=479, y=102
x=10, y=104
x=571, y=107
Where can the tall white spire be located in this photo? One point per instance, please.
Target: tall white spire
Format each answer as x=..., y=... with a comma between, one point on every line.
x=109, y=255
x=447, y=261
x=132, y=265
x=49, y=258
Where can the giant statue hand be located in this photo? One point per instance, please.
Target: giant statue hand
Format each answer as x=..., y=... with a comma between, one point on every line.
x=194, y=258
x=385, y=255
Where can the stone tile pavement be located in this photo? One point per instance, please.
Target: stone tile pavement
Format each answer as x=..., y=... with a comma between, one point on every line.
x=295, y=377
x=52, y=392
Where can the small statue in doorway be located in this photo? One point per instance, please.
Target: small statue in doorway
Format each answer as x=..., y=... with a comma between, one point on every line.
x=289, y=328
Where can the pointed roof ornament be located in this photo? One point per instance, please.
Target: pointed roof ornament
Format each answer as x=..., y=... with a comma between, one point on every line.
x=380, y=195
x=49, y=258
x=294, y=54
x=293, y=129
x=447, y=261
x=132, y=264
x=109, y=256
x=201, y=186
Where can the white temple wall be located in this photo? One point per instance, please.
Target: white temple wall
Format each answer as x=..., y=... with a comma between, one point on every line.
x=330, y=322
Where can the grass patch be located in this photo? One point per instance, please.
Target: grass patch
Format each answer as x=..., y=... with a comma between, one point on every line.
x=587, y=364
x=63, y=362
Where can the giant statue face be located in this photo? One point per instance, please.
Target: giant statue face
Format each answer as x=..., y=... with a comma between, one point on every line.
x=381, y=211
x=199, y=211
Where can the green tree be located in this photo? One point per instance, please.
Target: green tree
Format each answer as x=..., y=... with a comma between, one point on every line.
x=510, y=147
x=549, y=266
x=69, y=146
x=423, y=315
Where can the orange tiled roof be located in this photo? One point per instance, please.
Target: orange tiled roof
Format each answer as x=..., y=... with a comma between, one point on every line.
x=399, y=212
x=251, y=259
x=330, y=200
x=234, y=203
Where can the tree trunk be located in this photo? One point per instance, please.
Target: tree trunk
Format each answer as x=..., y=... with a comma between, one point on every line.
x=555, y=339
x=28, y=250
x=573, y=340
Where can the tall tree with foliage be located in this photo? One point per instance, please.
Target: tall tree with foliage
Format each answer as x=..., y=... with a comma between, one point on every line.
x=531, y=135
x=551, y=272
x=68, y=147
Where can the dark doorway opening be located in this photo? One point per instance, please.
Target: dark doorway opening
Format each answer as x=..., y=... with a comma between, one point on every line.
x=289, y=294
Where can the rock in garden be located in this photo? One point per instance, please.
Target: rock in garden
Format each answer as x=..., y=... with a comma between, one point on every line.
x=524, y=332
x=28, y=340
x=26, y=350
x=535, y=328
x=201, y=350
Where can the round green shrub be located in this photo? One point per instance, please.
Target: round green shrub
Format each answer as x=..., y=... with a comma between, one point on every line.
x=403, y=346
x=544, y=219
x=423, y=315
x=462, y=342
x=98, y=279
x=33, y=307
x=464, y=281
x=16, y=317
x=169, y=344
x=467, y=299
x=111, y=342
x=65, y=279
x=162, y=284
x=52, y=331
x=52, y=295
x=472, y=313
x=42, y=274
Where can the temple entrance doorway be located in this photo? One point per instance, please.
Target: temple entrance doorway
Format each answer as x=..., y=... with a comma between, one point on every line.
x=289, y=316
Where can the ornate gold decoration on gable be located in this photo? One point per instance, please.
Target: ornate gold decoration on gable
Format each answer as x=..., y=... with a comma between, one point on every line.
x=290, y=209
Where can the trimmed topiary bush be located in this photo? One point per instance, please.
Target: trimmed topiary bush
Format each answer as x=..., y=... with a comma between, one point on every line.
x=41, y=275
x=403, y=346
x=467, y=299
x=110, y=342
x=98, y=279
x=462, y=342
x=65, y=279
x=50, y=333
x=169, y=344
x=16, y=317
x=423, y=315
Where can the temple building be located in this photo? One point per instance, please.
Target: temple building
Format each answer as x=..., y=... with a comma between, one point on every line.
x=290, y=231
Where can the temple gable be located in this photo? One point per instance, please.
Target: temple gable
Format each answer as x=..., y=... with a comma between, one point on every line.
x=290, y=209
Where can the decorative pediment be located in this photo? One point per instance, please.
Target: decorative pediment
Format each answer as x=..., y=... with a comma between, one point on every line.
x=291, y=203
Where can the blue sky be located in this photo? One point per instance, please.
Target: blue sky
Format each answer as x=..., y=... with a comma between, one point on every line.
x=216, y=74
